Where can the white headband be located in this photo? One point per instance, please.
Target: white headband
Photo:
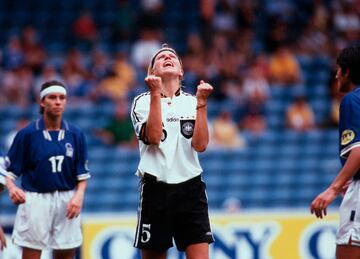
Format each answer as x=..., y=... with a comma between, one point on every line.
x=52, y=89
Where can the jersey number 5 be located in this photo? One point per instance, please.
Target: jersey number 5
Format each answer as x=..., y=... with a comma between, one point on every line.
x=145, y=237
x=56, y=163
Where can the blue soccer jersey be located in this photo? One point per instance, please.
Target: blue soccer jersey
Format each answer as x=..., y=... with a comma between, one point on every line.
x=349, y=125
x=48, y=161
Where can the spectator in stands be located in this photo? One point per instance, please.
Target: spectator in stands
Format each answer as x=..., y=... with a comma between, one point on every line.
x=253, y=121
x=164, y=121
x=100, y=64
x=224, y=132
x=124, y=70
x=77, y=77
x=300, y=115
x=34, y=52
x=119, y=131
x=284, y=68
x=16, y=86
x=255, y=87
x=13, y=54
x=50, y=155
x=144, y=48
x=85, y=30
x=347, y=238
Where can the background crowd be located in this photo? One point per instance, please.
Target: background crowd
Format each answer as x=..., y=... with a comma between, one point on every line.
x=244, y=48
x=271, y=62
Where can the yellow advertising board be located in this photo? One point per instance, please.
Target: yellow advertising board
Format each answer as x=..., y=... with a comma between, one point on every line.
x=261, y=235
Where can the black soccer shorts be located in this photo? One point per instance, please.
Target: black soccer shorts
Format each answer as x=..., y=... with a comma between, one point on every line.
x=172, y=211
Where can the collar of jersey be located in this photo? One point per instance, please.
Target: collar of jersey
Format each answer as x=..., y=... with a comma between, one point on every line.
x=177, y=93
x=40, y=125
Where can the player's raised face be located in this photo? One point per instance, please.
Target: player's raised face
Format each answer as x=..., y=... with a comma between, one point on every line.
x=167, y=64
x=54, y=104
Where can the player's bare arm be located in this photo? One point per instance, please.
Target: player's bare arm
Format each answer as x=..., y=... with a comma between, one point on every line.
x=16, y=194
x=2, y=240
x=200, y=137
x=75, y=204
x=322, y=201
x=154, y=122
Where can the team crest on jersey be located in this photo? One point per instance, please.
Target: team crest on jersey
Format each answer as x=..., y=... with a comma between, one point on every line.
x=187, y=128
x=347, y=136
x=69, y=150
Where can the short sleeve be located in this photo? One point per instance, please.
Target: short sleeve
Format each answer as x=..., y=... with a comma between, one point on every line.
x=139, y=115
x=349, y=125
x=16, y=158
x=82, y=170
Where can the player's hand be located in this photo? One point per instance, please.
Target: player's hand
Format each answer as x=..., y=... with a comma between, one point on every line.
x=16, y=195
x=2, y=240
x=74, y=206
x=154, y=83
x=322, y=201
x=203, y=92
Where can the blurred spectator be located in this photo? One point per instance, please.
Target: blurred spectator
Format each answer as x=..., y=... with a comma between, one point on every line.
x=300, y=115
x=224, y=132
x=124, y=69
x=346, y=20
x=255, y=87
x=144, y=48
x=194, y=62
x=117, y=83
x=100, y=64
x=246, y=14
x=34, y=53
x=284, y=68
x=74, y=63
x=16, y=86
x=321, y=15
x=225, y=16
x=85, y=30
x=253, y=123
x=110, y=88
x=13, y=54
x=276, y=35
x=119, y=131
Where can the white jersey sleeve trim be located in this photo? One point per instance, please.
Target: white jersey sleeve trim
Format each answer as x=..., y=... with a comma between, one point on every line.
x=11, y=175
x=81, y=177
x=344, y=152
x=139, y=112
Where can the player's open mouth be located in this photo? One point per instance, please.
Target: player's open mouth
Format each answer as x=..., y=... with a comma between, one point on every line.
x=168, y=64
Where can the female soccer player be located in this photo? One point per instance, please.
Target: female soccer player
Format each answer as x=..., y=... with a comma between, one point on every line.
x=172, y=128
x=50, y=155
x=348, y=235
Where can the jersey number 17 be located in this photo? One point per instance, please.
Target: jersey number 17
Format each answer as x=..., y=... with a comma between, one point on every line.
x=56, y=163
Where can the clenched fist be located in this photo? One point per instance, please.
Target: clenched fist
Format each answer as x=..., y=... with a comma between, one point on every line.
x=203, y=91
x=154, y=83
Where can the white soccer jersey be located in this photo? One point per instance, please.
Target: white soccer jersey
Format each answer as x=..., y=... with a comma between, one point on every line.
x=174, y=160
